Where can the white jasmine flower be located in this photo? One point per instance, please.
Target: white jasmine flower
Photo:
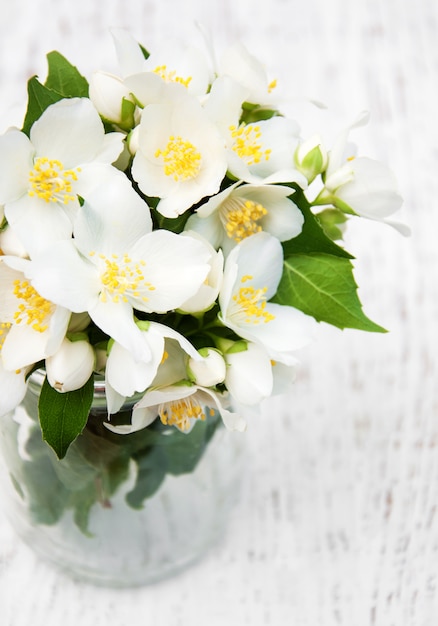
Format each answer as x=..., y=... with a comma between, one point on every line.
x=247, y=70
x=115, y=264
x=243, y=210
x=127, y=375
x=182, y=65
x=253, y=376
x=251, y=276
x=70, y=367
x=257, y=153
x=365, y=187
x=360, y=185
x=179, y=406
x=31, y=327
x=180, y=156
x=41, y=176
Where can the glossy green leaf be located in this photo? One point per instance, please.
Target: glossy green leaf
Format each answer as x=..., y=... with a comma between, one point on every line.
x=64, y=78
x=323, y=286
x=64, y=415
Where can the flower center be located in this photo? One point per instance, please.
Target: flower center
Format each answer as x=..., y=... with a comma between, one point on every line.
x=181, y=159
x=33, y=308
x=180, y=412
x=247, y=144
x=169, y=76
x=240, y=217
x=251, y=303
x=121, y=277
x=51, y=182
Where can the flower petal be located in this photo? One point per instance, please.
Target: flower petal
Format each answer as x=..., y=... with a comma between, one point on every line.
x=249, y=375
x=113, y=217
x=117, y=321
x=16, y=158
x=39, y=224
x=69, y=130
x=16, y=386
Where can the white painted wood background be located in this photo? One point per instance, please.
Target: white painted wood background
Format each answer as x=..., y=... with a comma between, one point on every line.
x=338, y=518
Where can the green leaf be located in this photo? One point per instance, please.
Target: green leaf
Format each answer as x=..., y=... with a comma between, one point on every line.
x=64, y=78
x=39, y=98
x=63, y=415
x=323, y=286
x=331, y=221
x=312, y=237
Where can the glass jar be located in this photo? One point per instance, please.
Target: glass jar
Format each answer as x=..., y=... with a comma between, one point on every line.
x=119, y=510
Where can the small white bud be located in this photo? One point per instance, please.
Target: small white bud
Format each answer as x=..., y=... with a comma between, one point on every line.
x=71, y=366
x=209, y=371
x=112, y=99
x=10, y=244
x=311, y=158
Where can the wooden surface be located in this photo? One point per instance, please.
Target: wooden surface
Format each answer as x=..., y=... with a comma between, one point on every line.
x=338, y=518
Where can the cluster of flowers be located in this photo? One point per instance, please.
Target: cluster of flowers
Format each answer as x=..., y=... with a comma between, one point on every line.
x=142, y=233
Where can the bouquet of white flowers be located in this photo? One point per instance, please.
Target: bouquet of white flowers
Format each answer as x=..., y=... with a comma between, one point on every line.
x=168, y=231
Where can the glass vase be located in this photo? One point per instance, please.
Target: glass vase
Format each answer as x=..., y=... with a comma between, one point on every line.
x=119, y=510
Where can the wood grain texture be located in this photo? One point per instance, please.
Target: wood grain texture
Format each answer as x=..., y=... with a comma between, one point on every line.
x=338, y=518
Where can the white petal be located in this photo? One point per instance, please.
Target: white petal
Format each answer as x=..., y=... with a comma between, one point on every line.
x=57, y=329
x=117, y=321
x=261, y=257
x=175, y=267
x=16, y=160
x=71, y=281
x=16, y=386
x=69, y=130
x=170, y=333
x=249, y=375
x=39, y=224
x=290, y=330
x=209, y=227
x=114, y=401
x=113, y=217
x=111, y=148
x=129, y=53
x=127, y=375
x=23, y=346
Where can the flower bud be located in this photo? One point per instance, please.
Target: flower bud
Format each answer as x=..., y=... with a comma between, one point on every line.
x=210, y=371
x=311, y=158
x=71, y=366
x=132, y=140
x=112, y=99
x=10, y=244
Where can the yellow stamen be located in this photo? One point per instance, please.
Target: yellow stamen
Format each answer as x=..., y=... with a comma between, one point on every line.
x=240, y=217
x=181, y=159
x=51, y=182
x=164, y=357
x=247, y=144
x=180, y=412
x=272, y=85
x=33, y=310
x=252, y=303
x=170, y=76
x=122, y=278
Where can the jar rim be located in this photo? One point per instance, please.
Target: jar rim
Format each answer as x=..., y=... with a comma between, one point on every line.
x=37, y=378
